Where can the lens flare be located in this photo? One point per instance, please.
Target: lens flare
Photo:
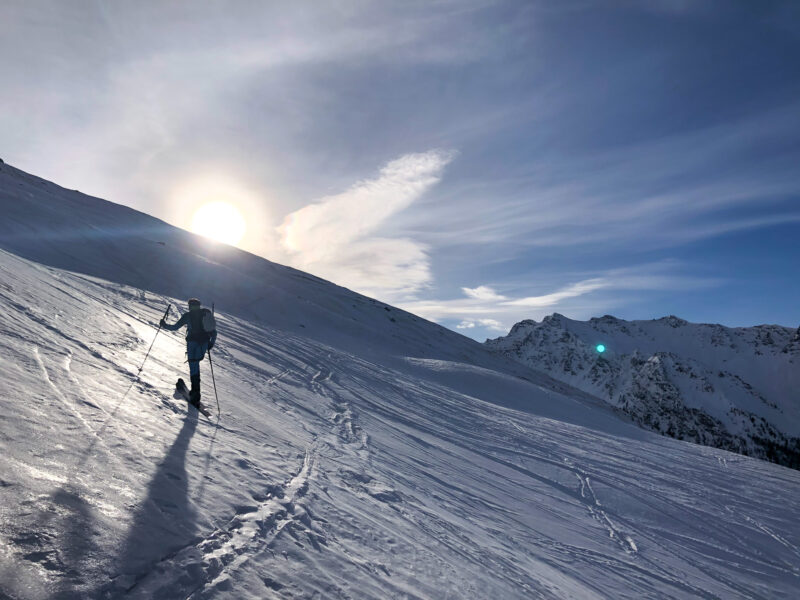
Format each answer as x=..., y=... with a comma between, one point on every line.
x=600, y=348
x=220, y=221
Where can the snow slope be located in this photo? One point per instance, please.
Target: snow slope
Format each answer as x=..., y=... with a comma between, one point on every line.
x=356, y=457
x=69, y=230
x=731, y=388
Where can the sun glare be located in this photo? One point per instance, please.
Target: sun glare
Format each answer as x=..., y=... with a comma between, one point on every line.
x=219, y=221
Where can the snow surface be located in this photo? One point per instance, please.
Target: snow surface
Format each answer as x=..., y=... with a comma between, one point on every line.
x=362, y=452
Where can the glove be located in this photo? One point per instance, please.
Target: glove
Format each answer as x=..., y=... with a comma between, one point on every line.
x=161, y=323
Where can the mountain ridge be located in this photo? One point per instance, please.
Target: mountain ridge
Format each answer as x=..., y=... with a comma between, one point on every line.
x=731, y=388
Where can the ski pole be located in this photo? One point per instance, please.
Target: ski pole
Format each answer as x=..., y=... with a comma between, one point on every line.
x=154, y=339
x=214, y=381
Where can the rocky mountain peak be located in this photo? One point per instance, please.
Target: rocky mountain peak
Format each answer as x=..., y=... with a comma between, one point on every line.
x=732, y=388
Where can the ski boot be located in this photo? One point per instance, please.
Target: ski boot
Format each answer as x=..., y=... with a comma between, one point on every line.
x=194, y=393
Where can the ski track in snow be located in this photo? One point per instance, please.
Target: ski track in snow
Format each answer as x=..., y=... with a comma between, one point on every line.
x=207, y=566
x=778, y=538
x=594, y=506
x=272, y=380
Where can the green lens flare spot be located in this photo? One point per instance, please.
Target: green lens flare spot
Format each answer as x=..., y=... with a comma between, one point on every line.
x=600, y=348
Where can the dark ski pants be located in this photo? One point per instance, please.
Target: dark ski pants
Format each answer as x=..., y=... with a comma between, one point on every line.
x=195, y=351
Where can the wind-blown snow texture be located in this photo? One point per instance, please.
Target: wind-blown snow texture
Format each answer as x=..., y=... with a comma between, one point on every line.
x=362, y=452
x=731, y=388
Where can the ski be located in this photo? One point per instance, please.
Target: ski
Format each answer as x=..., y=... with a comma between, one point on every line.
x=182, y=393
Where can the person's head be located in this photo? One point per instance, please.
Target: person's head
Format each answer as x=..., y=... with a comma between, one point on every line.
x=194, y=304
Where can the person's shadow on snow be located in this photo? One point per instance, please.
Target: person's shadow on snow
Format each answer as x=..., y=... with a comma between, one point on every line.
x=163, y=523
x=66, y=517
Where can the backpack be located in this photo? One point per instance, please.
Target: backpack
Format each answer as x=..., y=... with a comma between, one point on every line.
x=203, y=326
x=209, y=323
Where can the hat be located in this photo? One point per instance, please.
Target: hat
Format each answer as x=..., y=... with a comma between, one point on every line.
x=193, y=302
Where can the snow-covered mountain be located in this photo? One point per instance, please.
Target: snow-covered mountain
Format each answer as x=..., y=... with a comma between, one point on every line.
x=731, y=388
x=362, y=452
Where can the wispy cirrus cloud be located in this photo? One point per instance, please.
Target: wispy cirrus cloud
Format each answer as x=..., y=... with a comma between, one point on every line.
x=492, y=324
x=337, y=236
x=571, y=291
x=482, y=292
x=122, y=100
x=484, y=307
x=496, y=305
x=659, y=193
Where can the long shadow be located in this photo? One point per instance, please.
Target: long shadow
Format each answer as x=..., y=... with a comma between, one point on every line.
x=164, y=522
x=60, y=542
x=75, y=540
x=207, y=464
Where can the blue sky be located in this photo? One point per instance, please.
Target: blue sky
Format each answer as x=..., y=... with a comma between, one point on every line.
x=475, y=162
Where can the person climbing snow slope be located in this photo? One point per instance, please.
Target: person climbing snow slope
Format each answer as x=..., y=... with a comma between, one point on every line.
x=201, y=333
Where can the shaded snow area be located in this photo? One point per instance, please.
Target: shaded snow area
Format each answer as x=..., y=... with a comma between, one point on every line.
x=366, y=454
x=732, y=388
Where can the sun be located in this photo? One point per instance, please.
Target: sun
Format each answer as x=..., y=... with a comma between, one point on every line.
x=219, y=221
